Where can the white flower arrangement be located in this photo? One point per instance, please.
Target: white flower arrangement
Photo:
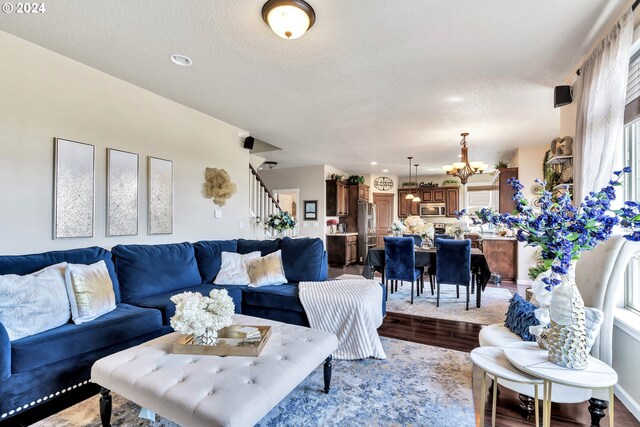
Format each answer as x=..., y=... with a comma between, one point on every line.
x=457, y=230
x=199, y=315
x=414, y=224
x=428, y=231
x=397, y=226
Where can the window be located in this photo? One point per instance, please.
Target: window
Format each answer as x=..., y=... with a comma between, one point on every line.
x=479, y=197
x=632, y=192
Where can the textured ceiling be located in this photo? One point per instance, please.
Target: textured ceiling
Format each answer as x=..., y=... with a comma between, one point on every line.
x=372, y=80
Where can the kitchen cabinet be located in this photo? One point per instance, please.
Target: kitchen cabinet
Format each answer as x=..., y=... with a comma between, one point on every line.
x=406, y=207
x=361, y=190
x=452, y=199
x=502, y=256
x=337, y=193
x=342, y=249
x=435, y=195
x=506, y=204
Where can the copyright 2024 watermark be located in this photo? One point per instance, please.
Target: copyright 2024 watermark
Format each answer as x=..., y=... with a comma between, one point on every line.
x=24, y=8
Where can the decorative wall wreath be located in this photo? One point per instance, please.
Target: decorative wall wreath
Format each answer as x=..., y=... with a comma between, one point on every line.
x=218, y=186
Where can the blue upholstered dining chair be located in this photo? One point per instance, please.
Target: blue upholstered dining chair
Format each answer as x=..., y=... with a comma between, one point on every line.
x=431, y=270
x=416, y=238
x=453, y=265
x=400, y=263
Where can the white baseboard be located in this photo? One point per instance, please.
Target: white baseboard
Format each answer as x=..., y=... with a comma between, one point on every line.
x=628, y=401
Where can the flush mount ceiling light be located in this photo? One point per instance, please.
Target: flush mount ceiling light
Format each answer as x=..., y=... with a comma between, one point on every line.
x=181, y=60
x=289, y=19
x=268, y=164
x=464, y=169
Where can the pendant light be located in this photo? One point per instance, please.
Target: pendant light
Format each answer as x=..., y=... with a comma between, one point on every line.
x=409, y=196
x=416, y=198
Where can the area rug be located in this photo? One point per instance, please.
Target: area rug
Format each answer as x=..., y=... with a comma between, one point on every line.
x=417, y=385
x=495, y=302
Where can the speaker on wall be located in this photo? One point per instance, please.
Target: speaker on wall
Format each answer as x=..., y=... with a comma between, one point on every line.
x=562, y=95
x=248, y=143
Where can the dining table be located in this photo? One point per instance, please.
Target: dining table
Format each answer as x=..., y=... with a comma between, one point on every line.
x=426, y=257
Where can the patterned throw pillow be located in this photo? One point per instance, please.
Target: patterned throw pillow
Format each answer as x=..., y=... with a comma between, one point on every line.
x=35, y=302
x=267, y=270
x=233, y=268
x=520, y=316
x=90, y=291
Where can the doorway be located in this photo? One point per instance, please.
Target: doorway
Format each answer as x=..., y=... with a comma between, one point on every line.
x=288, y=199
x=384, y=215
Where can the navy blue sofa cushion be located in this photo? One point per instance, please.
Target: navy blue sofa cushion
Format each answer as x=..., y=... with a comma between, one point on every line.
x=5, y=354
x=27, y=264
x=520, y=315
x=167, y=307
x=147, y=270
x=302, y=259
x=283, y=297
x=209, y=256
x=70, y=340
x=265, y=247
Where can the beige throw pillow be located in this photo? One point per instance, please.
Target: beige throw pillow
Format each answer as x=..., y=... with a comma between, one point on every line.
x=34, y=302
x=267, y=270
x=90, y=291
x=233, y=268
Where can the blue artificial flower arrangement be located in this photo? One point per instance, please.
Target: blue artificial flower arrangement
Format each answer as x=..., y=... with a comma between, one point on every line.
x=281, y=221
x=563, y=231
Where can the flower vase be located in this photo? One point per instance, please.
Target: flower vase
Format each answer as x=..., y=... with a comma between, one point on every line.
x=210, y=337
x=332, y=229
x=567, y=332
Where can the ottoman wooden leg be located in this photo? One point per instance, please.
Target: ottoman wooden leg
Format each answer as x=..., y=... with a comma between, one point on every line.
x=105, y=407
x=327, y=373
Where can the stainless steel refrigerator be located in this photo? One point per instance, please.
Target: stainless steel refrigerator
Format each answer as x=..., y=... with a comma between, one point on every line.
x=367, y=237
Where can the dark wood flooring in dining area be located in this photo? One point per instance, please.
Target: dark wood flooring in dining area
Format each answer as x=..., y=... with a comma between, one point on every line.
x=463, y=336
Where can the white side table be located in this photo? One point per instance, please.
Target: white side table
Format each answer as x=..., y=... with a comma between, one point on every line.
x=492, y=361
x=535, y=361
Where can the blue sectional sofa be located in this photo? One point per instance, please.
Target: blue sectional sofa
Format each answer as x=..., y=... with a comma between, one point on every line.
x=144, y=278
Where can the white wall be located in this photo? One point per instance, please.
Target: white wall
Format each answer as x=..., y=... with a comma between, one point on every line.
x=310, y=181
x=44, y=95
x=528, y=160
x=370, y=178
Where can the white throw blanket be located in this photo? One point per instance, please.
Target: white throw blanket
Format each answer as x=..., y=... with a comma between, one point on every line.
x=351, y=309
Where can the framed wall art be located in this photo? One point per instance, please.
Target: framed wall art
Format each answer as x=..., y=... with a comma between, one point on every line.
x=311, y=210
x=74, y=189
x=122, y=193
x=160, y=196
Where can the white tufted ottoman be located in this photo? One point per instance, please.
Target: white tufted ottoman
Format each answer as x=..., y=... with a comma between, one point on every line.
x=194, y=390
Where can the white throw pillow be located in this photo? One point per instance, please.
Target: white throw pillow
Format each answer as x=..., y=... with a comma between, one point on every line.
x=35, y=302
x=90, y=291
x=593, y=320
x=233, y=268
x=267, y=270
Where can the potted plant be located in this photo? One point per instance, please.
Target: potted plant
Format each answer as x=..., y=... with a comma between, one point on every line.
x=502, y=164
x=332, y=223
x=202, y=316
x=355, y=179
x=281, y=222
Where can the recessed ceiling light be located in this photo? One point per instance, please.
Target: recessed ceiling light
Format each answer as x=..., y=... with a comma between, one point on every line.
x=181, y=60
x=374, y=163
x=454, y=99
x=385, y=170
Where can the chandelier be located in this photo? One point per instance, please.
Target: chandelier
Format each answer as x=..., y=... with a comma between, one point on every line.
x=464, y=169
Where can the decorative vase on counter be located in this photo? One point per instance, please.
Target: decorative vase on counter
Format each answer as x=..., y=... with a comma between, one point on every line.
x=332, y=229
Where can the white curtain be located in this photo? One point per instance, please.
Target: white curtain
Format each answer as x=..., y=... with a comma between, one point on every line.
x=601, y=91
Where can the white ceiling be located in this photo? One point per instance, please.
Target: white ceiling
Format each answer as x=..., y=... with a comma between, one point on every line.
x=372, y=80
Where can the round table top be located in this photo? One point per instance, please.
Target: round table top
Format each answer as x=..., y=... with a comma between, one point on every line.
x=535, y=361
x=493, y=361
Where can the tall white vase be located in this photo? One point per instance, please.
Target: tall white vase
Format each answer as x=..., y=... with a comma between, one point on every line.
x=567, y=327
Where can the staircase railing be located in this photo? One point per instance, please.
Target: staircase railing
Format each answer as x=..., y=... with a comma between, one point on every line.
x=262, y=203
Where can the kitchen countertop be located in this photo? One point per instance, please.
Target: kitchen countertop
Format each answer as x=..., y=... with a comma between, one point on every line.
x=342, y=234
x=495, y=236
